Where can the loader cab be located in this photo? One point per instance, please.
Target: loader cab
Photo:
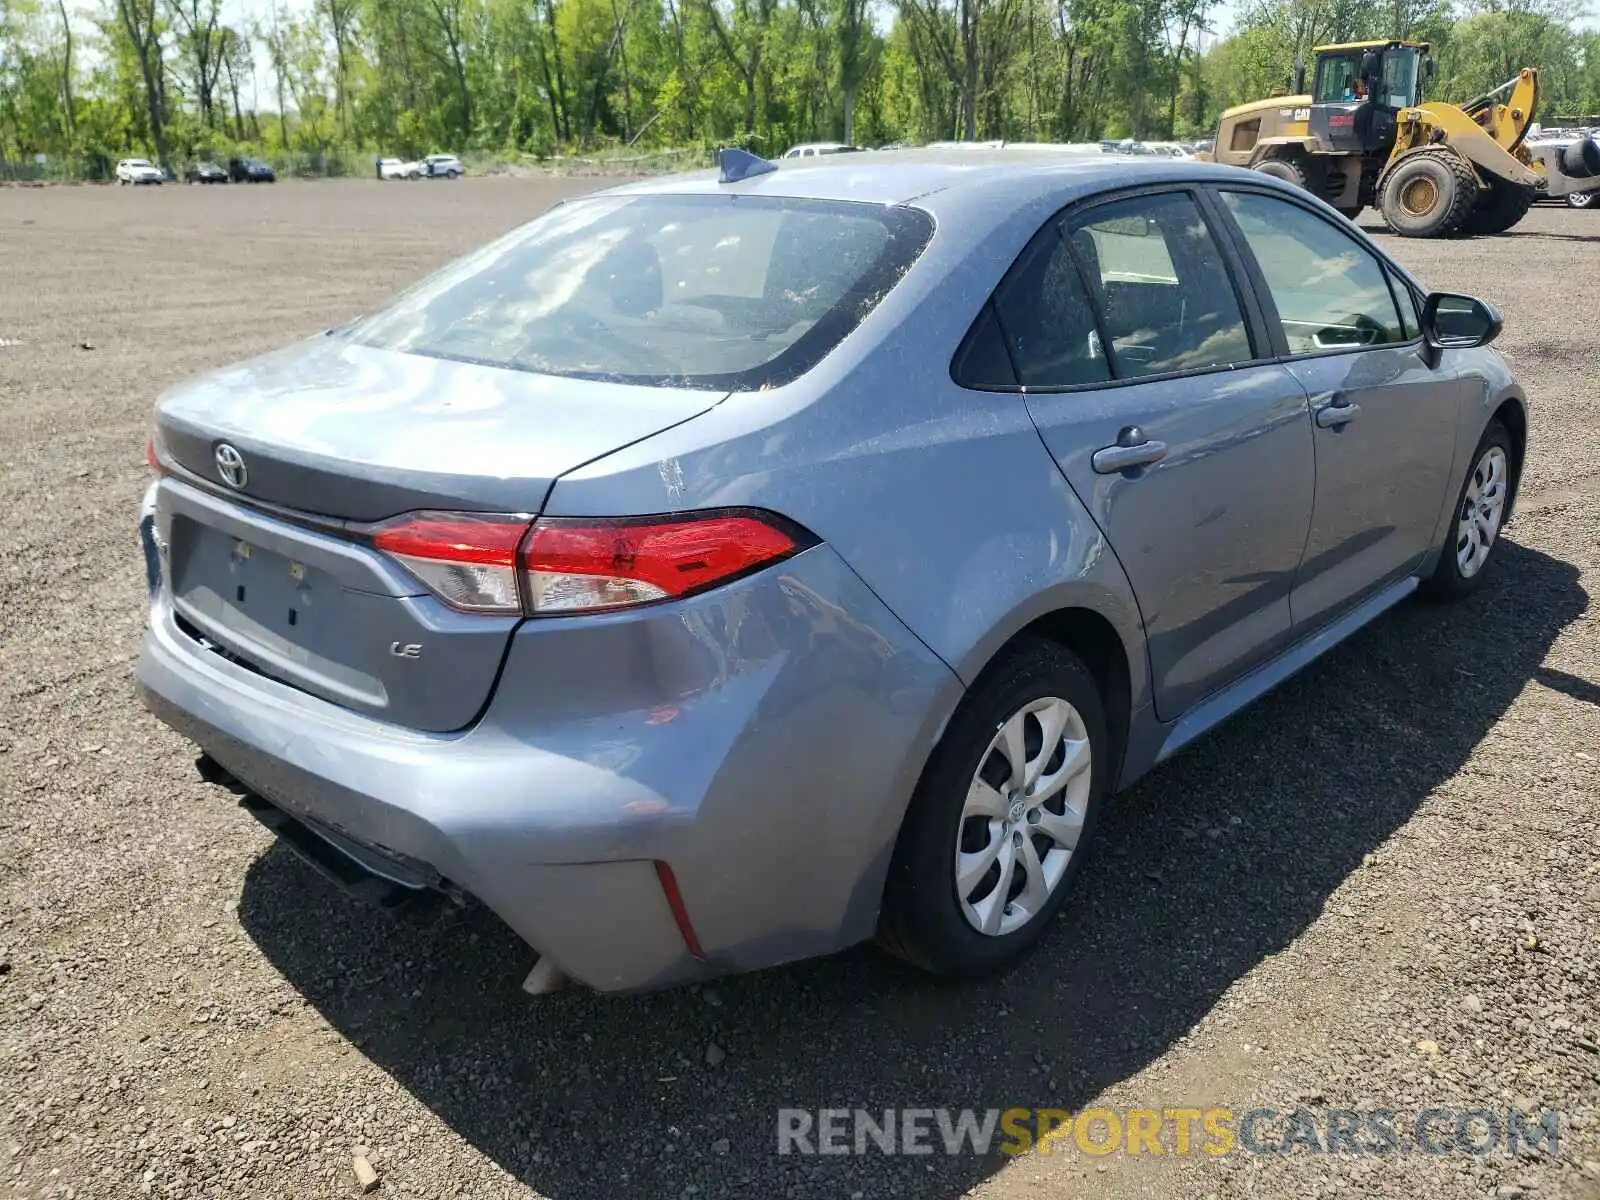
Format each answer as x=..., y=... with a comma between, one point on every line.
x=1358, y=89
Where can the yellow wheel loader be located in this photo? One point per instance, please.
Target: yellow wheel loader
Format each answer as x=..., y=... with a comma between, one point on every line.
x=1362, y=136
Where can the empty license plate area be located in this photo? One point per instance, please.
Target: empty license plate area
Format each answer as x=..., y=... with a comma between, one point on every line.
x=238, y=585
x=288, y=617
x=325, y=613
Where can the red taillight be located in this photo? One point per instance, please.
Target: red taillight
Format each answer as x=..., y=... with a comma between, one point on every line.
x=570, y=566
x=583, y=566
x=468, y=561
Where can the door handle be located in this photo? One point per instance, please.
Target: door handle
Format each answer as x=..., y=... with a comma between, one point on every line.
x=1132, y=449
x=1338, y=414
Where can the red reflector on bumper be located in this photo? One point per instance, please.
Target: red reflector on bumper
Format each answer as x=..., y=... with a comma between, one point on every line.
x=680, y=914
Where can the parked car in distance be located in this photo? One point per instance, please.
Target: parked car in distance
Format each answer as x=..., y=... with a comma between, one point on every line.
x=250, y=170
x=727, y=568
x=395, y=168
x=139, y=171
x=443, y=166
x=815, y=149
x=205, y=172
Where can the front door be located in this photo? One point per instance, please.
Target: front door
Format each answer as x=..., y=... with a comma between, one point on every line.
x=1384, y=421
x=1196, y=461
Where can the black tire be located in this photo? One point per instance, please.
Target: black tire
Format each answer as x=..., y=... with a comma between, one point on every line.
x=1500, y=206
x=1447, y=584
x=1284, y=169
x=1583, y=199
x=1350, y=214
x=1454, y=193
x=922, y=920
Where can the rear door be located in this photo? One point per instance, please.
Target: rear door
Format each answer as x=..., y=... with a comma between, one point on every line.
x=1384, y=419
x=1137, y=354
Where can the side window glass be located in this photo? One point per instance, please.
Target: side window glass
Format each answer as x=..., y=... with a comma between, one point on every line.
x=1158, y=281
x=982, y=361
x=1046, y=320
x=1330, y=292
x=1337, y=80
x=1399, y=79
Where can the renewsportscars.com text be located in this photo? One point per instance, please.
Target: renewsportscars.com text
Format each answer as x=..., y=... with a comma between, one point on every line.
x=1210, y=1131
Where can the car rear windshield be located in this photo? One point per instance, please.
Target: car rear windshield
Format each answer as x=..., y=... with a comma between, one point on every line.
x=724, y=292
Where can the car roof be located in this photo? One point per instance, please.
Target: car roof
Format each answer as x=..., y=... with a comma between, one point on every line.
x=901, y=176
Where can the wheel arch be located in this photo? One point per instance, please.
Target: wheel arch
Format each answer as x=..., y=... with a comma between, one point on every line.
x=1295, y=150
x=1514, y=416
x=1098, y=645
x=1120, y=671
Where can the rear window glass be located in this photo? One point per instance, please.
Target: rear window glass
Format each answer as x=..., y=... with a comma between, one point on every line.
x=726, y=292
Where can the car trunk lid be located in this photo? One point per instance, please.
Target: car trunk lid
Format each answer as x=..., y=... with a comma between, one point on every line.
x=356, y=433
x=268, y=555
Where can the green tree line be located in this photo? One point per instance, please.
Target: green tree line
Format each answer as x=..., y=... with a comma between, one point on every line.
x=340, y=79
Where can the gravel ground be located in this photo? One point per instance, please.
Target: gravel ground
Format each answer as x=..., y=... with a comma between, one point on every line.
x=1378, y=889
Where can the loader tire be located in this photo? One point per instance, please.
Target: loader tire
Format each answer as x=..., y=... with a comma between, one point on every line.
x=1500, y=206
x=1428, y=194
x=1284, y=169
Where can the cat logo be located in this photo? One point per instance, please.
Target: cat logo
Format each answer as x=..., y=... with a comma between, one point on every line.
x=405, y=649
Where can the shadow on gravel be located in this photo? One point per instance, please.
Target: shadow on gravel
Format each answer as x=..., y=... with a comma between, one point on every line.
x=1546, y=235
x=1216, y=861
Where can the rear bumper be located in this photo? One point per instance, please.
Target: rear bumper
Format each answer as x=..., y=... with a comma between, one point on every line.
x=761, y=740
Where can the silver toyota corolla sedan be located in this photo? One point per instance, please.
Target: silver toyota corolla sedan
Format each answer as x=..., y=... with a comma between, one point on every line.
x=729, y=568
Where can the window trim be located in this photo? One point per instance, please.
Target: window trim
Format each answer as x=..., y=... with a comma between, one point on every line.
x=1258, y=330
x=1390, y=270
x=1396, y=286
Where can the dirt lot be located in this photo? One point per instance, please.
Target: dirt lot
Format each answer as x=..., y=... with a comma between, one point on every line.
x=1377, y=890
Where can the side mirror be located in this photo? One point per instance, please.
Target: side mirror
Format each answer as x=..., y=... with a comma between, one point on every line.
x=1452, y=322
x=1369, y=65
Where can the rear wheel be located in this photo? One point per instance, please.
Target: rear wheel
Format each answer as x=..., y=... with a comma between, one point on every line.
x=998, y=824
x=1500, y=206
x=1284, y=169
x=1350, y=214
x=1583, y=199
x=1428, y=194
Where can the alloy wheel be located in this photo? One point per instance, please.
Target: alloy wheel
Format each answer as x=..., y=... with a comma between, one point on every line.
x=1482, y=509
x=1023, y=816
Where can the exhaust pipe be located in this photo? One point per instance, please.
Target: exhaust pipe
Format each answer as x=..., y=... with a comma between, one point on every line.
x=1581, y=160
x=544, y=979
